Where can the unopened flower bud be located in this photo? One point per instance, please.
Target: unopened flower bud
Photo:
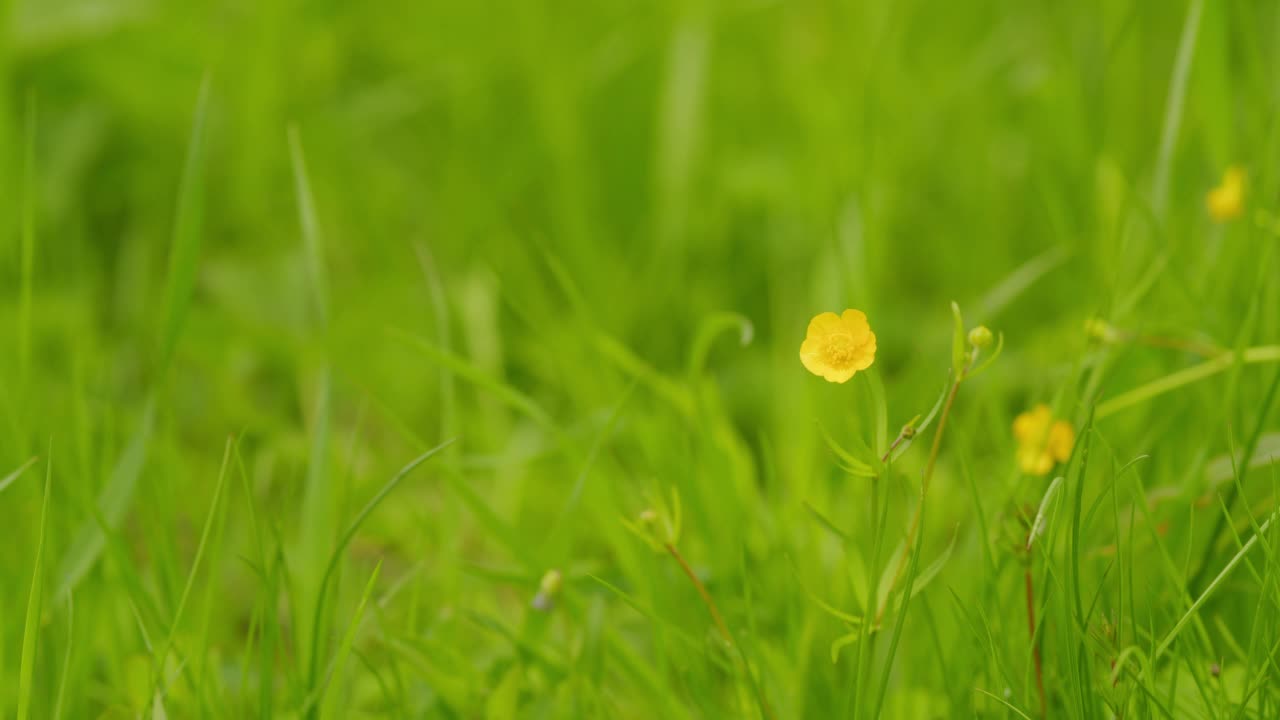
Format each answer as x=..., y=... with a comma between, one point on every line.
x=1101, y=330
x=548, y=589
x=980, y=337
x=551, y=582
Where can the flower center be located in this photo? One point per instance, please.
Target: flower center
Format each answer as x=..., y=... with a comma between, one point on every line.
x=839, y=350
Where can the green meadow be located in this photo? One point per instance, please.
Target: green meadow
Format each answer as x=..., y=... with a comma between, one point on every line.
x=444, y=359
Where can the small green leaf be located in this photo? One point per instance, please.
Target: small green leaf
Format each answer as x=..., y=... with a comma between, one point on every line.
x=921, y=581
x=990, y=359
x=851, y=464
x=840, y=642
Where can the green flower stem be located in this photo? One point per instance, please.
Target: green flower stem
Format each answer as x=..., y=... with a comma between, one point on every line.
x=924, y=487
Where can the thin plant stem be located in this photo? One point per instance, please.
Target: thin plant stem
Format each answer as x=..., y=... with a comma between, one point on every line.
x=765, y=708
x=914, y=530
x=893, y=446
x=1173, y=343
x=1035, y=646
x=706, y=596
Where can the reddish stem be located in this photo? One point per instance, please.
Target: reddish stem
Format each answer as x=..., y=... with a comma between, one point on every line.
x=715, y=615
x=706, y=596
x=1035, y=646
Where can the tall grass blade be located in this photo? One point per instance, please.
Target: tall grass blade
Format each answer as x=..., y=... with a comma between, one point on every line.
x=311, y=239
x=27, y=245
x=35, y=600
x=161, y=657
x=338, y=551
x=338, y=668
x=184, y=252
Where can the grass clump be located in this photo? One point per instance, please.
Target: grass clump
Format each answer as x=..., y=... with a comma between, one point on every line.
x=583, y=242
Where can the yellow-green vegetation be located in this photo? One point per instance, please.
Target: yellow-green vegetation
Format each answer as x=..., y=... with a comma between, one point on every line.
x=656, y=359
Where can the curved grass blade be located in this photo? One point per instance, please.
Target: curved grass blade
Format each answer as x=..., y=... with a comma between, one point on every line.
x=712, y=327
x=851, y=464
x=336, y=556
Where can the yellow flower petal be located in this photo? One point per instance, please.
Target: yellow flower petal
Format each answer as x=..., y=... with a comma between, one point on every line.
x=854, y=321
x=1062, y=438
x=1034, y=462
x=838, y=346
x=1042, y=441
x=1226, y=201
x=1031, y=426
x=824, y=324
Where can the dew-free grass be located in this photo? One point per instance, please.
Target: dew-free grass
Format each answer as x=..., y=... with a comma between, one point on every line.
x=260, y=262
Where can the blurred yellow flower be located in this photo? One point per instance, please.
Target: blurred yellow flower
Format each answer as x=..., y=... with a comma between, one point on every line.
x=838, y=346
x=1226, y=202
x=1042, y=441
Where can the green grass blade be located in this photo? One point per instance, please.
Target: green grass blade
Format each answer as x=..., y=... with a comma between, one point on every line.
x=9, y=479
x=161, y=657
x=338, y=667
x=27, y=244
x=338, y=551
x=184, y=254
x=31, y=627
x=460, y=367
x=1174, y=104
x=311, y=239
x=900, y=617
x=319, y=521
x=1213, y=586
x=114, y=500
x=66, y=660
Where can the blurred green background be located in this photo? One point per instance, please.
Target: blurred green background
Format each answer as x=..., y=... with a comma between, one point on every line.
x=542, y=228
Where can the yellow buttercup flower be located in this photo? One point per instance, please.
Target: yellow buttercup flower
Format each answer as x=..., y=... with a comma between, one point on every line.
x=1042, y=441
x=838, y=346
x=1226, y=202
